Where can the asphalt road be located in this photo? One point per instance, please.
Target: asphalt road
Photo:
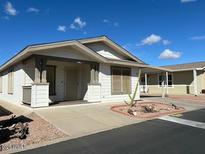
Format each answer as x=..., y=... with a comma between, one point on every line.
x=198, y=115
x=150, y=137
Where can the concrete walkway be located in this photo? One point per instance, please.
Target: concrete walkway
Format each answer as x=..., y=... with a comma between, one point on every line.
x=85, y=119
x=15, y=109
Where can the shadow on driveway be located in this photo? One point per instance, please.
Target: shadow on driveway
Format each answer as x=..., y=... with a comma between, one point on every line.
x=4, y=112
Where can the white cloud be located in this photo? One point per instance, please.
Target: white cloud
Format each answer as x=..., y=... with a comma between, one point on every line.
x=61, y=28
x=10, y=10
x=187, y=1
x=166, y=42
x=77, y=24
x=202, y=37
x=152, y=39
x=78, y=21
x=32, y=9
x=168, y=54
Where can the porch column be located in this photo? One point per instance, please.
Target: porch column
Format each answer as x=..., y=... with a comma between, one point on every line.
x=40, y=69
x=195, y=82
x=94, y=73
x=167, y=84
x=146, y=88
x=163, y=90
x=94, y=88
x=40, y=87
x=37, y=71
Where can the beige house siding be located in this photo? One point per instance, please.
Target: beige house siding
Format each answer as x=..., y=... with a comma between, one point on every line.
x=16, y=87
x=106, y=82
x=182, y=84
x=66, y=52
x=29, y=69
x=104, y=50
x=200, y=80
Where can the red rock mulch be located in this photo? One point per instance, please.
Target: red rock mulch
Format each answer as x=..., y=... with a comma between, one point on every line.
x=39, y=131
x=164, y=109
x=190, y=98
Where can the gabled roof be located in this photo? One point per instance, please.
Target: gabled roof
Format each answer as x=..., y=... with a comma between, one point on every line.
x=112, y=44
x=30, y=49
x=186, y=66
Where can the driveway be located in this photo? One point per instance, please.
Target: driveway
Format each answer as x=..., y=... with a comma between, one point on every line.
x=80, y=120
x=85, y=119
x=150, y=137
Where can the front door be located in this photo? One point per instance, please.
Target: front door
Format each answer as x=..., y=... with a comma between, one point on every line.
x=72, y=84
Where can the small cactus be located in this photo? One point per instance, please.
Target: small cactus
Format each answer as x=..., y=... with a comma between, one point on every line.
x=132, y=101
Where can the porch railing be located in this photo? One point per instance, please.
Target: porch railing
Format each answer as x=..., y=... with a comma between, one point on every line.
x=27, y=94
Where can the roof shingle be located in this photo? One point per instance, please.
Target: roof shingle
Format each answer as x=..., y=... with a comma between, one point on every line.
x=186, y=66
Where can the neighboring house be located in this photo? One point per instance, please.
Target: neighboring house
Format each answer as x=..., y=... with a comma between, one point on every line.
x=93, y=69
x=182, y=79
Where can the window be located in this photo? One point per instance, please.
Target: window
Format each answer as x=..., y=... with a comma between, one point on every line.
x=51, y=79
x=121, y=80
x=142, y=80
x=162, y=78
x=1, y=86
x=10, y=81
x=170, y=80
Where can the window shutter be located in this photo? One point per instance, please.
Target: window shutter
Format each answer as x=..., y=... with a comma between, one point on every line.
x=121, y=80
x=116, y=80
x=126, y=75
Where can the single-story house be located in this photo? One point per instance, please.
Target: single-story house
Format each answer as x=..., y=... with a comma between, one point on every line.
x=92, y=69
x=181, y=79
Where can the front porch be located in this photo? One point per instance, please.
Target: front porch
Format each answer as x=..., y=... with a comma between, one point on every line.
x=53, y=79
x=161, y=83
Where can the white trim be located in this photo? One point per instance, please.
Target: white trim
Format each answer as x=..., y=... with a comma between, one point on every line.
x=195, y=82
x=184, y=122
x=167, y=82
x=146, y=87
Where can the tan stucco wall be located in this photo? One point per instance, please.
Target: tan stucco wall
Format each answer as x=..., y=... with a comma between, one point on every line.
x=182, y=83
x=201, y=80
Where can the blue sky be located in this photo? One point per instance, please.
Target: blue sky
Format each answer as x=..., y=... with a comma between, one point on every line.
x=160, y=32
